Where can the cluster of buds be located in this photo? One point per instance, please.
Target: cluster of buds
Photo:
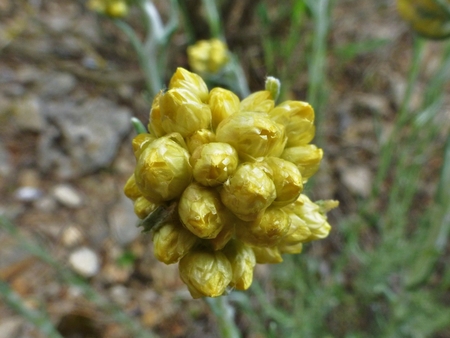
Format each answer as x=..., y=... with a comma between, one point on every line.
x=430, y=18
x=111, y=8
x=208, y=56
x=219, y=182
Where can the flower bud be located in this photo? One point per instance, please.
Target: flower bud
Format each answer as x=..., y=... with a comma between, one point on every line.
x=201, y=136
x=248, y=192
x=117, y=9
x=287, y=179
x=190, y=81
x=183, y=112
x=163, y=170
x=143, y=207
x=292, y=249
x=225, y=235
x=261, y=101
x=208, y=56
x=307, y=159
x=171, y=241
x=223, y=103
x=298, y=233
x=242, y=261
x=201, y=211
x=131, y=190
x=206, y=273
x=267, y=231
x=140, y=142
x=298, y=119
x=252, y=135
x=309, y=212
x=154, y=125
x=267, y=255
x=213, y=163
x=319, y=233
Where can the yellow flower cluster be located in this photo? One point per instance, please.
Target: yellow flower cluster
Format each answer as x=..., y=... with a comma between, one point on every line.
x=223, y=178
x=430, y=18
x=208, y=56
x=111, y=8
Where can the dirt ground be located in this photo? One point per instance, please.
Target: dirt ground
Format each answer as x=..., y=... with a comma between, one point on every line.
x=62, y=172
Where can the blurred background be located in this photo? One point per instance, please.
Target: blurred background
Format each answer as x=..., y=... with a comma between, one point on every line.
x=73, y=263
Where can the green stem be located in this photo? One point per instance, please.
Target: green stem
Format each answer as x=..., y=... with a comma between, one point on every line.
x=224, y=314
x=213, y=18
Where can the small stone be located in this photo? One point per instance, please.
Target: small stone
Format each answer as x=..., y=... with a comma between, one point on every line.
x=28, y=115
x=10, y=327
x=27, y=194
x=58, y=84
x=67, y=196
x=71, y=236
x=85, y=262
x=358, y=180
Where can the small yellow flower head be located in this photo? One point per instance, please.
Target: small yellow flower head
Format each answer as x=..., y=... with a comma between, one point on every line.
x=143, y=207
x=287, y=179
x=261, y=102
x=172, y=241
x=183, y=112
x=243, y=261
x=163, y=170
x=206, y=273
x=140, y=142
x=427, y=17
x=266, y=255
x=223, y=103
x=131, y=190
x=111, y=8
x=184, y=79
x=307, y=158
x=154, y=125
x=252, y=135
x=201, y=211
x=213, y=163
x=298, y=119
x=267, y=231
x=208, y=56
x=248, y=192
x=218, y=181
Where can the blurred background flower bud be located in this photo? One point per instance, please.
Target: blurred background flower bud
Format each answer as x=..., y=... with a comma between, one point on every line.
x=192, y=82
x=252, y=135
x=163, y=170
x=201, y=211
x=298, y=119
x=111, y=8
x=183, y=112
x=206, y=273
x=243, y=261
x=307, y=158
x=171, y=241
x=261, y=102
x=223, y=103
x=207, y=56
x=248, y=192
x=287, y=179
x=213, y=163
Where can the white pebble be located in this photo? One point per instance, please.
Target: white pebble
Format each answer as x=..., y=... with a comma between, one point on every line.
x=67, y=196
x=85, y=261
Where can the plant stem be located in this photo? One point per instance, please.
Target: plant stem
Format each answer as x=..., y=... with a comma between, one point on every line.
x=224, y=313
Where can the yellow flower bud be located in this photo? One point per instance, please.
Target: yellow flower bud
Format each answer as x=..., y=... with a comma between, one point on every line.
x=307, y=159
x=252, y=135
x=131, y=190
x=243, y=261
x=261, y=101
x=206, y=273
x=140, y=142
x=309, y=212
x=143, y=207
x=248, y=192
x=267, y=231
x=291, y=249
x=201, y=136
x=208, y=56
x=213, y=163
x=223, y=103
x=225, y=235
x=287, y=179
x=298, y=119
x=184, y=79
x=183, y=112
x=201, y=211
x=154, y=124
x=163, y=170
x=298, y=233
x=117, y=9
x=267, y=255
x=319, y=233
x=171, y=241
